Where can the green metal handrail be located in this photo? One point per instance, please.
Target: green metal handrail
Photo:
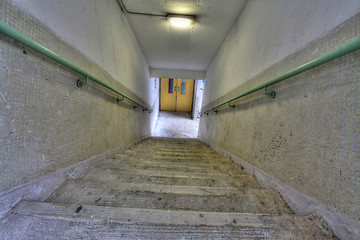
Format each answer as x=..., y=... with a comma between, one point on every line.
x=10, y=32
x=338, y=52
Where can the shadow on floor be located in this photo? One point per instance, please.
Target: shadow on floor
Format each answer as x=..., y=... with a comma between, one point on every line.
x=176, y=125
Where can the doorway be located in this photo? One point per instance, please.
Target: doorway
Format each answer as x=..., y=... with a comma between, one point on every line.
x=175, y=124
x=176, y=94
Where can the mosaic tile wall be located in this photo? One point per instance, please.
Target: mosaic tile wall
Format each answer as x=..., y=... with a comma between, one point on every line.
x=46, y=121
x=308, y=136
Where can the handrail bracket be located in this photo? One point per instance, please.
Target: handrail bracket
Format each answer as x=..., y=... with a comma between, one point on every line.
x=80, y=83
x=231, y=105
x=272, y=94
x=120, y=99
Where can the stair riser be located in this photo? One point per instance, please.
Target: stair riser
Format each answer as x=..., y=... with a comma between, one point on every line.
x=172, y=153
x=164, y=162
x=105, y=176
x=220, y=172
x=163, y=173
x=181, y=159
x=266, y=202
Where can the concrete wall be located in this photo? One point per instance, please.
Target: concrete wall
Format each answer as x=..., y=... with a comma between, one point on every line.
x=48, y=123
x=198, y=96
x=177, y=73
x=154, y=91
x=308, y=136
x=268, y=31
x=100, y=31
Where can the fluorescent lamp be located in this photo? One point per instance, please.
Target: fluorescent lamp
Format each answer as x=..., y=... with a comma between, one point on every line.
x=181, y=21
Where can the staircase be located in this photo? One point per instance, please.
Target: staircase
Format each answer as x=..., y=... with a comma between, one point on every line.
x=163, y=189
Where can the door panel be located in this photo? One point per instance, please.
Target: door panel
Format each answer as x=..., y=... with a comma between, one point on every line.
x=168, y=94
x=176, y=94
x=185, y=88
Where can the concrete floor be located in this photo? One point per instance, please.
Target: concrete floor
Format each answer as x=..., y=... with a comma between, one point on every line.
x=176, y=125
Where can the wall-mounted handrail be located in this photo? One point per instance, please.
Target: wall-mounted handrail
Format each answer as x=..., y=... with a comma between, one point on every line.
x=12, y=33
x=336, y=53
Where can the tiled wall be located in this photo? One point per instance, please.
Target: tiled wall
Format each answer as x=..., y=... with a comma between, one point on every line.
x=308, y=136
x=46, y=121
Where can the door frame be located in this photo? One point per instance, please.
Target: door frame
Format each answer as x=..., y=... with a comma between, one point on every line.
x=193, y=94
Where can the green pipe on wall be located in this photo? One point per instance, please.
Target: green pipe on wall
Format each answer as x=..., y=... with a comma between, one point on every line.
x=336, y=53
x=12, y=33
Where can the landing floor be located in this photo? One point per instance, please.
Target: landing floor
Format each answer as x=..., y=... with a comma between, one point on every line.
x=176, y=125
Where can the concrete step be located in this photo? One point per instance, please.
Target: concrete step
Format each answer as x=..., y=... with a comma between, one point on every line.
x=167, y=161
x=151, y=177
x=175, y=167
x=196, y=148
x=171, y=153
x=138, y=215
x=33, y=220
x=43, y=227
x=248, y=201
x=156, y=188
x=172, y=141
x=181, y=148
x=178, y=156
x=195, y=162
x=169, y=158
x=164, y=173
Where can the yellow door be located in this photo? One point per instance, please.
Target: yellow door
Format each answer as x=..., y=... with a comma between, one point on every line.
x=176, y=94
x=185, y=88
x=168, y=94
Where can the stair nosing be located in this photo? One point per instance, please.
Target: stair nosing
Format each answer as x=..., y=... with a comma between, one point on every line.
x=138, y=215
x=175, y=174
x=163, y=188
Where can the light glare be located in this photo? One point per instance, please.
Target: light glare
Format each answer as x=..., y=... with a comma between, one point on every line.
x=181, y=21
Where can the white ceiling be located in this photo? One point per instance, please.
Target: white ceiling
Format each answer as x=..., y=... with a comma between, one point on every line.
x=168, y=47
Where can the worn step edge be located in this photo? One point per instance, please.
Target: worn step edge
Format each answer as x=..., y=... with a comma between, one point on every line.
x=138, y=215
x=192, y=159
x=250, y=201
x=167, y=168
x=159, y=188
x=171, y=173
x=225, y=169
x=189, y=150
x=112, y=175
x=171, y=153
x=165, y=161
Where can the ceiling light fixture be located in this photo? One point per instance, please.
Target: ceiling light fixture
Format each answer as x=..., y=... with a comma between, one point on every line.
x=174, y=19
x=181, y=20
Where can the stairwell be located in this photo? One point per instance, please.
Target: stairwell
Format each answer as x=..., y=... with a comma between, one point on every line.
x=163, y=188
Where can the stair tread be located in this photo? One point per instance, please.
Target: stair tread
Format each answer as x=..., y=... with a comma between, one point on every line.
x=172, y=153
x=221, y=170
x=172, y=172
x=158, y=188
x=60, y=221
x=137, y=214
x=169, y=158
x=111, y=175
x=174, y=161
x=165, y=173
x=251, y=200
x=40, y=227
x=154, y=162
